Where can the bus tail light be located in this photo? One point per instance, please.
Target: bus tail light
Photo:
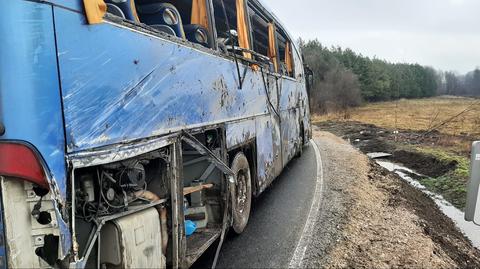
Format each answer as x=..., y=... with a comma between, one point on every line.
x=20, y=161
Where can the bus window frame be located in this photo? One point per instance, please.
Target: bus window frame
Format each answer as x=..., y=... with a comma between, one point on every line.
x=251, y=6
x=146, y=29
x=281, y=32
x=267, y=17
x=246, y=61
x=214, y=48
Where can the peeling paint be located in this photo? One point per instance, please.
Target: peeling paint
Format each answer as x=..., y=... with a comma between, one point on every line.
x=239, y=132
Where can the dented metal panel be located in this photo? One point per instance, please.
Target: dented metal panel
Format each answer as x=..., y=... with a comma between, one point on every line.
x=102, y=92
x=30, y=105
x=290, y=134
x=265, y=157
x=240, y=132
x=119, y=152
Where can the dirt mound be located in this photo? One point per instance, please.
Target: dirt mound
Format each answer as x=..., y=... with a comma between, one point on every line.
x=436, y=225
x=424, y=164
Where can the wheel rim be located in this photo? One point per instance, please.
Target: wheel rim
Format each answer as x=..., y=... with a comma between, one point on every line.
x=241, y=193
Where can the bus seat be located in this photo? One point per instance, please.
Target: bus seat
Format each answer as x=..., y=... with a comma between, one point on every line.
x=164, y=28
x=196, y=34
x=162, y=14
x=115, y=10
x=127, y=7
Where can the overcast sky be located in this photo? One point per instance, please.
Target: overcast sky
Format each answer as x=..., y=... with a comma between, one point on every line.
x=444, y=34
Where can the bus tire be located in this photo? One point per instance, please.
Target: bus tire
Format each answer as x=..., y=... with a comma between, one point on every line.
x=241, y=194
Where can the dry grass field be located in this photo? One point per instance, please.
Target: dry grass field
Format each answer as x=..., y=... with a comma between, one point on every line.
x=439, y=129
x=449, y=115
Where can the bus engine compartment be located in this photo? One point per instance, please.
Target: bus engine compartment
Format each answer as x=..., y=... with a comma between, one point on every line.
x=112, y=190
x=132, y=213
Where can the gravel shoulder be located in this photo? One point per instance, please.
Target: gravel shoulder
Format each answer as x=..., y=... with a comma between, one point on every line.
x=370, y=218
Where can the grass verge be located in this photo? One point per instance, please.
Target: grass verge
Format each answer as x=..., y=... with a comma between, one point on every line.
x=452, y=185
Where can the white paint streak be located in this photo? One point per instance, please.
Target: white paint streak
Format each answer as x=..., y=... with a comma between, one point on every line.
x=308, y=229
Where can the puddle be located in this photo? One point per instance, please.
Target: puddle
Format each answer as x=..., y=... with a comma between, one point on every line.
x=378, y=155
x=471, y=230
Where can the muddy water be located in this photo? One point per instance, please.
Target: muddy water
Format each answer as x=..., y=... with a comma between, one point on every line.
x=470, y=230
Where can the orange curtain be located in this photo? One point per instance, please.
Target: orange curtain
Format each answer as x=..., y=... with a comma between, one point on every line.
x=134, y=10
x=288, y=58
x=272, y=48
x=95, y=10
x=199, y=13
x=242, y=28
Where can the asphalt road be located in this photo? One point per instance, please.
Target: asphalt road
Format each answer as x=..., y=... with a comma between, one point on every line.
x=276, y=222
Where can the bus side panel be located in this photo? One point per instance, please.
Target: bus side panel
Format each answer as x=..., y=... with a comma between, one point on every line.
x=290, y=134
x=76, y=5
x=30, y=96
x=30, y=105
x=303, y=101
x=290, y=122
x=265, y=152
x=277, y=144
x=121, y=85
x=238, y=133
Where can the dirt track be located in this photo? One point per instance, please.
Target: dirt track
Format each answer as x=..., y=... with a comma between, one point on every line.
x=373, y=219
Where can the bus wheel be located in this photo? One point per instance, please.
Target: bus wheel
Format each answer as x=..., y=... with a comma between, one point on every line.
x=242, y=193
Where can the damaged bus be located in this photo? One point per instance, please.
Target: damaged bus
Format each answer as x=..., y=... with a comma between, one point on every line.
x=134, y=134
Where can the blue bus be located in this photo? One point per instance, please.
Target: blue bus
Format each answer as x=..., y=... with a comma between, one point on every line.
x=134, y=134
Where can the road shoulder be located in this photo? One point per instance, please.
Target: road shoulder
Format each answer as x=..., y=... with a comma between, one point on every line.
x=371, y=219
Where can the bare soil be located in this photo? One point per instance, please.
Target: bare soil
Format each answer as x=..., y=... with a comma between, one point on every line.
x=424, y=164
x=370, y=138
x=372, y=219
x=445, y=168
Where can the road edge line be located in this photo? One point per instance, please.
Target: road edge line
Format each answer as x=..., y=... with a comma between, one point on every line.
x=299, y=254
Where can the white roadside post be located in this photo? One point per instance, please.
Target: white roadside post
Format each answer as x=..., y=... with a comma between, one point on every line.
x=472, y=209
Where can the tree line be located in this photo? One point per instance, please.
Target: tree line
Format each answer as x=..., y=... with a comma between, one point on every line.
x=343, y=78
x=463, y=85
